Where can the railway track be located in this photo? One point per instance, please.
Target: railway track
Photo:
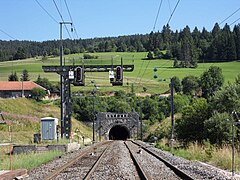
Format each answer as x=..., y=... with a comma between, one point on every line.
x=124, y=160
x=146, y=175
x=100, y=162
x=90, y=172
x=92, y=155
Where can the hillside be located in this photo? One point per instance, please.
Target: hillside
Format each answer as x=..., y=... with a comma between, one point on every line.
x=185, y=45
x=142, y=76
x=23, y=120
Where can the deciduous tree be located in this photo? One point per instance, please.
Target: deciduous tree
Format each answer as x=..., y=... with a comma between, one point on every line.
x=38, y=93
x=177, y=84
x=218, y=128
x=227, y=99
x=211, y=81
x=191, y=126
x=190, y=85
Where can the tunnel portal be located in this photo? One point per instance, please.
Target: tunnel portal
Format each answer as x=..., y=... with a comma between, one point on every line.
x=117, y=126
x=119, y=132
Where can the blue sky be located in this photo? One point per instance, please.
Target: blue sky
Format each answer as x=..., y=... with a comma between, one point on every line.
x=25, y=20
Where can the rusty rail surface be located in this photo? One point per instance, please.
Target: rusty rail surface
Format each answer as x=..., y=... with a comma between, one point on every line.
x=142, y=174
x=88, y=175
x=175, y=169
x=72, y=161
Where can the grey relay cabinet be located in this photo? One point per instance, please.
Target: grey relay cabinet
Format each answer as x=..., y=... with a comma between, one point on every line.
x=49, y=128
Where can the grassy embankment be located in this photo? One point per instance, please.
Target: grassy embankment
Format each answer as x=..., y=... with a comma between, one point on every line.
x=218, y=156
x=141, y=76
x=23, y=117
x=28, y=161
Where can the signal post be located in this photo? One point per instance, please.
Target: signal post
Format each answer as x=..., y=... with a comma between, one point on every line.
x=75, y=75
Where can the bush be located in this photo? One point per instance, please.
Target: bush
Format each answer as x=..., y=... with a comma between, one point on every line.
x=88, y=56
x=150, y=55
x=38, y=93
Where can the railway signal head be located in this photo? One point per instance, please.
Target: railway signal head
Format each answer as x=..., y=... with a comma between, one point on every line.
x=79, y=77
x=78, y=74
x=118, y=77
x=119, y=73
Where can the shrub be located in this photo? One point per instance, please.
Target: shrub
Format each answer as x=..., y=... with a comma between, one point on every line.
x=38, y=93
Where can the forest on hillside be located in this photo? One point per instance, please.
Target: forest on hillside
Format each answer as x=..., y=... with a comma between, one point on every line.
x=188, y=46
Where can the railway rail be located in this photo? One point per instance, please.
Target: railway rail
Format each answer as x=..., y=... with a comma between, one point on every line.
x=71, y=169
x=125, y=160
x=88, y=175
x=96, y=152
x=142, y=173
x=175, y=169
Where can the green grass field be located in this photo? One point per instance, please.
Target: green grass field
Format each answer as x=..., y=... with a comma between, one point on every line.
x=141, y=76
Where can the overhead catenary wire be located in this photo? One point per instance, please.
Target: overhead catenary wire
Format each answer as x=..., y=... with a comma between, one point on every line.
x=46, y=12
x=168, y=24
x=159, y=8
x=62, y=18
x=169, y=6
x=226, y=24
x=163, y=66
x=173, y=12
x=160, y=5
x=75, y=30
x=234, y=21
x=229, y=16
x=144, y=72
x=7, y=34
x=140, y=70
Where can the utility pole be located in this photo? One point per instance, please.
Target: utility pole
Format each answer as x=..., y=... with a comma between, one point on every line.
x=93, y=127
x=233, y=131
x=172, y=112
x=62, y=83
x=141, y=125
x=22, y=88
x=233, y=157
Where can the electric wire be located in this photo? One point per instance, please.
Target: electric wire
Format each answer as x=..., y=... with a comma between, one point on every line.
x=169, y=6
x=234, y=22
x=163, y=66
x=62, y=19
x=160, y=5
x=46, y=12
x=160, y=67
x=143, y=73
x=153, y=30
x=7, y=34
x=173, y=12
x=71, y=18
x=69, y=12
x=162, y=71
x=140, y=69
x=229, y=16
x=229, y=25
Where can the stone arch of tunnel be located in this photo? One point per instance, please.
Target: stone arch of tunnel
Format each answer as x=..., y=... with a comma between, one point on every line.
x=119, y=132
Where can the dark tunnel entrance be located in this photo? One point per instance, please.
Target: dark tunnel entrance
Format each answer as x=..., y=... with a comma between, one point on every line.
x=119, y=132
